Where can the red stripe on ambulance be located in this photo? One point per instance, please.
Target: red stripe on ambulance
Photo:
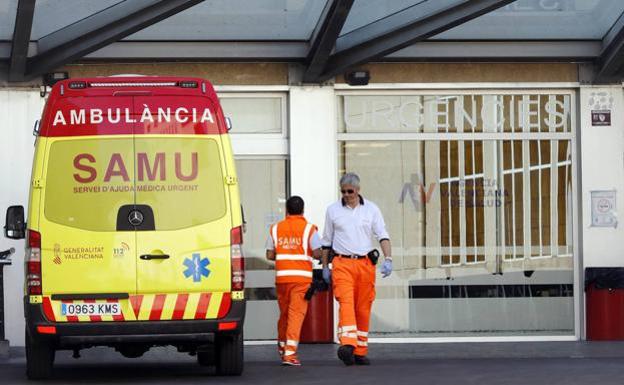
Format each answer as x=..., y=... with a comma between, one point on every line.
x=202, y=306
x=224, y=307
x=47, y=309
x=136, y=301
x=157, y=307
x=180, y=306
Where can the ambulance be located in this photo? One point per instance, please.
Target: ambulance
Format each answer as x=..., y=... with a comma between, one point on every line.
x=134, y=224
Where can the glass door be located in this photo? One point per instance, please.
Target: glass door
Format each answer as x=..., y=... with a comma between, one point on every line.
x=477, y=192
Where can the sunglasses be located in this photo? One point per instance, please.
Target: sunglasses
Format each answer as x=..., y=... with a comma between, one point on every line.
x=349, y=191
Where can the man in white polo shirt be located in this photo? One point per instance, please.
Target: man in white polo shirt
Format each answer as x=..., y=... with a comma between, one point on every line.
x=350, y=224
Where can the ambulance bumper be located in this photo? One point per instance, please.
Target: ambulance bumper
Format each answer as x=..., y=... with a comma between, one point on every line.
x=68, y=334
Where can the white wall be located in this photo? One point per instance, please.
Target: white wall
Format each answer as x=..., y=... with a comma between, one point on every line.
x=313, y=128
x=19, y=108
x=602, y=162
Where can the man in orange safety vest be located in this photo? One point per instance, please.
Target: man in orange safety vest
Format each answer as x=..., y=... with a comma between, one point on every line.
x=291, y=244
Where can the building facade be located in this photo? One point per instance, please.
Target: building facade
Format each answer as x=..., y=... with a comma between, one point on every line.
x=489, y=132
x=485, y=182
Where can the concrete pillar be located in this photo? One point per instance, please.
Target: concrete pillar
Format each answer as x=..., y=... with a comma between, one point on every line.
x=313, y=149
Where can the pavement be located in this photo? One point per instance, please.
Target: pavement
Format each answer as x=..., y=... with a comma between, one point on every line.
x=521, y=363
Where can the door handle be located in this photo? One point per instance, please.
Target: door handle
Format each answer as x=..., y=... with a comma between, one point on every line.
x=147, y=257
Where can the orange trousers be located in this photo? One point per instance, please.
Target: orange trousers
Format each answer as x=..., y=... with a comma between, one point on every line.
x=354, y=288
x=293, y=308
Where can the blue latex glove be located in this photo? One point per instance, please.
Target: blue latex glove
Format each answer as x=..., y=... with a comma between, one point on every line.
x=386, y=268
x=327, y=275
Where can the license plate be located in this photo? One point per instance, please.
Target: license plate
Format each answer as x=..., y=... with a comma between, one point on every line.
x=76, y=309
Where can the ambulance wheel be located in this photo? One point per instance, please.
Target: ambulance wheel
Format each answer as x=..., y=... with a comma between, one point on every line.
x=39, y=359
x=230, y=355
x=206, y=357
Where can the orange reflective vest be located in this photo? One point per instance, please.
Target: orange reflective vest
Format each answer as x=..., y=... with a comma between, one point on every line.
x=293, y=256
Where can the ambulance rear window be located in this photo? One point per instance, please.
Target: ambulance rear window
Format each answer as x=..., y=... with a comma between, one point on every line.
x=89, y=179
x=192, y=191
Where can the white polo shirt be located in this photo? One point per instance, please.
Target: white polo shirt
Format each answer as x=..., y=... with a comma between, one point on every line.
x=350, y=231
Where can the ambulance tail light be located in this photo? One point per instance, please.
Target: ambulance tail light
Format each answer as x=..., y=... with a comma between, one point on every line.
x=46, y=329
x=228, y=325
x=33, y=263
x=238, y=261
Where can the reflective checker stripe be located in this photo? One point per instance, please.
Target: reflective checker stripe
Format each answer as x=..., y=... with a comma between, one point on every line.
x=148, y=307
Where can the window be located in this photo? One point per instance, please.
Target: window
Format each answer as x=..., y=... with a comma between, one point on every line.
x=179, y=178
x=476, y=191
x=254, y=115
x=263, y=195
x=189, y=189
x=260, y=141
x=80, y=192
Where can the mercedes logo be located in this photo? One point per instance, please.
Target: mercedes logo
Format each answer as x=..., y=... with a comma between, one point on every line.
x=135, y=218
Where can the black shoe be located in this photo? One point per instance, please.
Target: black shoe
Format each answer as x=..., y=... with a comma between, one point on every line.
x=345, y=353
x=361, y=360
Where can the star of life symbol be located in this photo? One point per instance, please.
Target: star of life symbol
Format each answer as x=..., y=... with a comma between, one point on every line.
x=196, y=267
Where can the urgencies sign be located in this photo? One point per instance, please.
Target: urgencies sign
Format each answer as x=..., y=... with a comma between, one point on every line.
x=124, y=115
x=458, y=113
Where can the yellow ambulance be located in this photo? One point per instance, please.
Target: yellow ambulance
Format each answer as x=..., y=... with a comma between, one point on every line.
x=134, y=224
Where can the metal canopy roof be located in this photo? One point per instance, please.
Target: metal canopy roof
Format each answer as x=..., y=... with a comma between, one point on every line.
x=328, y=37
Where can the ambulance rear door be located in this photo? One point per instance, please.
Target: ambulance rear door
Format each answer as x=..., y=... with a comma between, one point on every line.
x=88, y=178
x=183, y=258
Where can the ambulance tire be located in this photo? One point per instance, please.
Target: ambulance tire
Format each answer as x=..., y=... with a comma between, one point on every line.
x=206, y=357
x=230, y=355
x=39, y=359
